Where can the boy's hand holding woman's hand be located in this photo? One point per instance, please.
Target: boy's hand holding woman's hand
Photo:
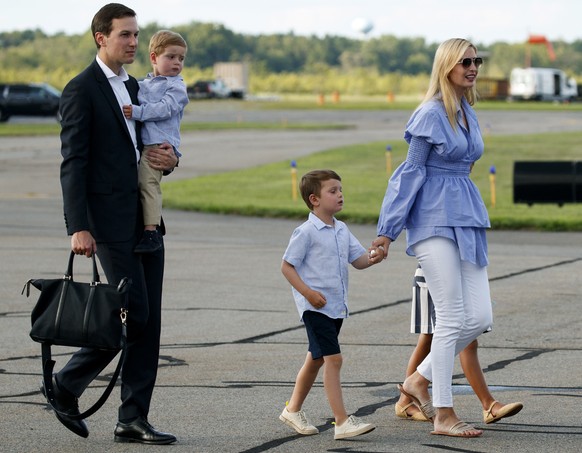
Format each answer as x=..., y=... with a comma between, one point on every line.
x=379, y=249
x=375, y=254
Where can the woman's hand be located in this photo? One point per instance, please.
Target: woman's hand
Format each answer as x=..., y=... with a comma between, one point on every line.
x=382, y=243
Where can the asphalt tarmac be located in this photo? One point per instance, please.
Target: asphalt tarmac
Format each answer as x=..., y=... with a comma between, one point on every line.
x=232, y=342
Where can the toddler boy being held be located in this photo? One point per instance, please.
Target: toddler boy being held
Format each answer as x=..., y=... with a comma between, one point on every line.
x=162, y=96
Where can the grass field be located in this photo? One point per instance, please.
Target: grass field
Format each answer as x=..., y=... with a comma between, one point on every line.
x=22, y=130
x=268, y=190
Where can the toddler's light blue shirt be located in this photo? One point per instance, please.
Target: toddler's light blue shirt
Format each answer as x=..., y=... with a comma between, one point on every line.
x=162, y=101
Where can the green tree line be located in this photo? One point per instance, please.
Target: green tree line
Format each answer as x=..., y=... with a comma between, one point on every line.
x=278, y=62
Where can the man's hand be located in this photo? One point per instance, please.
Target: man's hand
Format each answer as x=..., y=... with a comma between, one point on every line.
x=161, y=158
x=82, y=243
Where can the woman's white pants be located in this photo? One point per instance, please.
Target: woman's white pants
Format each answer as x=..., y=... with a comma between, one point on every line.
x=460, y=292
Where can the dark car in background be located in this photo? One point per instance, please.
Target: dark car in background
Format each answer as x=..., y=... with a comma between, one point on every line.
x=31, y=99
x=208, y=89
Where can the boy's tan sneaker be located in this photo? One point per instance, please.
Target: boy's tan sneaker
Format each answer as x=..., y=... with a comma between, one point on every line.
x=298, y=421
x=352, y=427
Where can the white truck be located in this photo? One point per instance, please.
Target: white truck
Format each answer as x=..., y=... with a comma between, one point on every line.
x=235, y=76
x=541, y=84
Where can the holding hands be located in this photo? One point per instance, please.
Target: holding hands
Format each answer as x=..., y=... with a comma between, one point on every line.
x=381, y=244
x=375, y=255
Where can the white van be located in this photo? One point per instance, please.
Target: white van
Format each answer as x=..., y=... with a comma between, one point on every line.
x=541, y=84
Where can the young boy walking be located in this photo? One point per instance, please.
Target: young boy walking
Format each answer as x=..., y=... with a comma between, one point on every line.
x=316, y=265
x=162, y=96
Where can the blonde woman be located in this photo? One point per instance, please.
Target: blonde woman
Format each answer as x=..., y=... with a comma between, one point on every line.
x=432, y=196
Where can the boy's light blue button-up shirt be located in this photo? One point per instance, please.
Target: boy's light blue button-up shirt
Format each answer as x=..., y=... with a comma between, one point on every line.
x=321, y=255
x=431, y=194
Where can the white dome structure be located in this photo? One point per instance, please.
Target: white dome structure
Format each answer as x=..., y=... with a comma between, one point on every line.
x=362, y=25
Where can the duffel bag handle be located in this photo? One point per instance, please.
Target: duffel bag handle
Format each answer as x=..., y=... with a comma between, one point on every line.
x=69, y=273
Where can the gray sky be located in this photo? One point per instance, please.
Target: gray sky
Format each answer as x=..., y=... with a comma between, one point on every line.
x=436, y=20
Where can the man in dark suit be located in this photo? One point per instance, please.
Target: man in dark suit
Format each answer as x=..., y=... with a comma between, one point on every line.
x=100, y=149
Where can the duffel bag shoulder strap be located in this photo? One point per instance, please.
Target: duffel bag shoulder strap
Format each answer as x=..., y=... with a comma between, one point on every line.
x=48, y=365
x=47, y=373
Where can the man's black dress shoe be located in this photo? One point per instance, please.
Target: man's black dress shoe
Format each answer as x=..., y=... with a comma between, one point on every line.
x=140, y=431
x=69, y=404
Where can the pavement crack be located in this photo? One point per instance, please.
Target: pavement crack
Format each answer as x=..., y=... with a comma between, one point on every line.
x=535, y=269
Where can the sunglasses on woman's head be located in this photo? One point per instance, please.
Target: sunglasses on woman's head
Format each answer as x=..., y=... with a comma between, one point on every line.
x=466, y=62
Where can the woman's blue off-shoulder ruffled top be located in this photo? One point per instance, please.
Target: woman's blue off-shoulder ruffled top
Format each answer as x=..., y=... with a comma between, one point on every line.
x=430, y=193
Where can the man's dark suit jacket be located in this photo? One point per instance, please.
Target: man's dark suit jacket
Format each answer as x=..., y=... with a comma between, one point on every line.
x=99, y=168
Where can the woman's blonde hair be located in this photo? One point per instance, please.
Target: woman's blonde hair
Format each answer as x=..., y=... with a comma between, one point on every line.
x=446, y=58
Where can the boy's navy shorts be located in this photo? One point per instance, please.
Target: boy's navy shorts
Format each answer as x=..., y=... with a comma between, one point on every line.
x=322, y=332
